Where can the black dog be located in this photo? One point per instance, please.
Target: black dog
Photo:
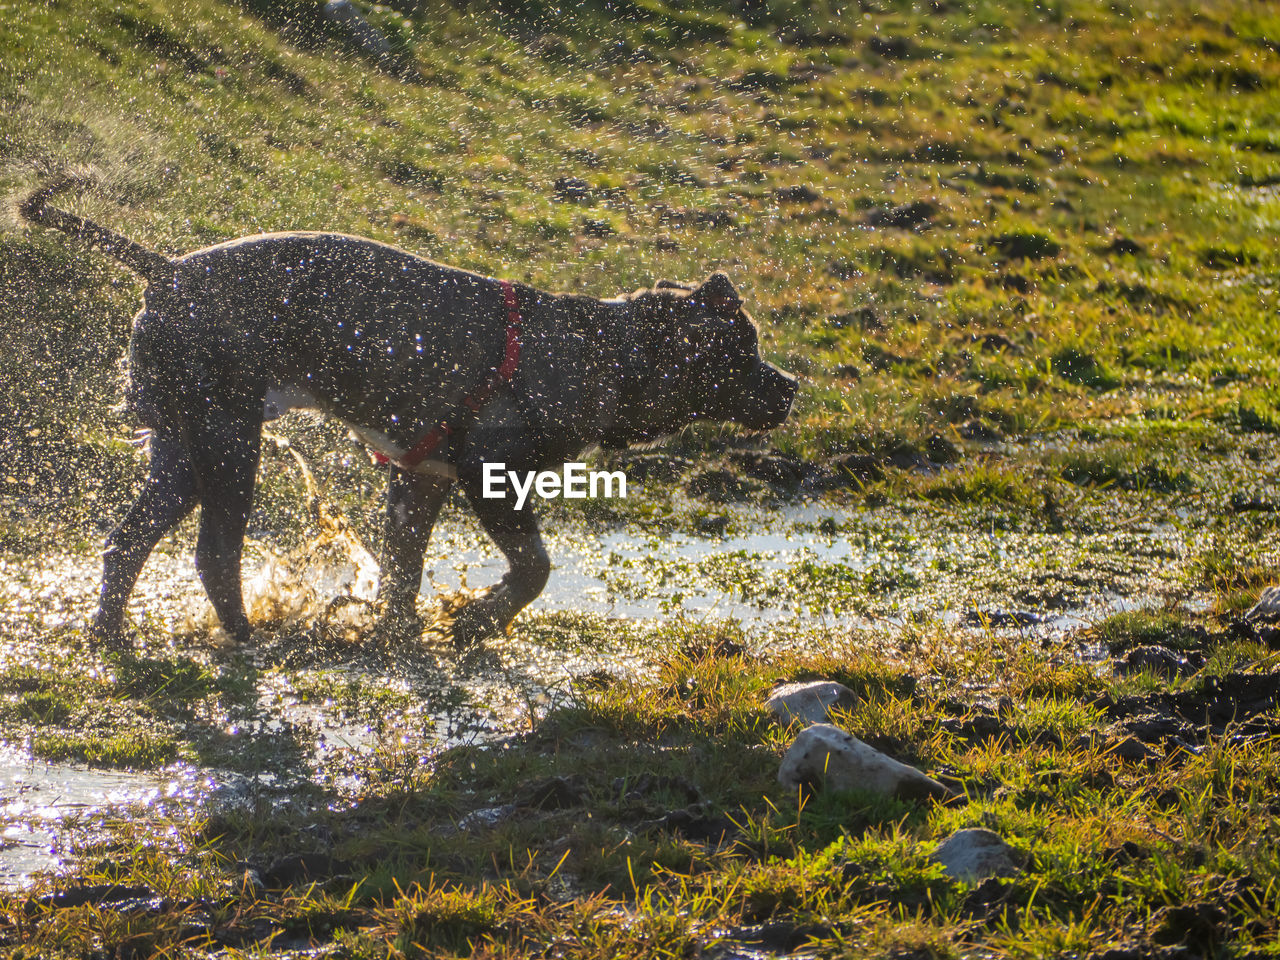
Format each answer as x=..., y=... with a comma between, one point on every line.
x=438, y=369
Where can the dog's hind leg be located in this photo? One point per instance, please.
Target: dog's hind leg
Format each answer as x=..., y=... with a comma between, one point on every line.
x=413, y=503
x=225, y=455
x=167, y=497
x=516, y=534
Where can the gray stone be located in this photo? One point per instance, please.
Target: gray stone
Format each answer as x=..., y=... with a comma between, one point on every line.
x=811, y=702
x=828, y=757
x=974, y=854
x=486, y=818
x=1267, y=609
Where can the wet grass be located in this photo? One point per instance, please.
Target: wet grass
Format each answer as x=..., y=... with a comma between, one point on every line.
x=643, y=815
x=1127, y=466
x=633, y=807
x=128, y=750
x=1133, y=628
x=982, y=484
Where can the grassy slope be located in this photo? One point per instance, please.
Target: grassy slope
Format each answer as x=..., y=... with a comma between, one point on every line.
x=1039, y=134
x=1048, y=130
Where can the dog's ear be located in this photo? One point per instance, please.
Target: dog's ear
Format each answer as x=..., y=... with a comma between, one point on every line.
x=717, y=293
x=671, y=285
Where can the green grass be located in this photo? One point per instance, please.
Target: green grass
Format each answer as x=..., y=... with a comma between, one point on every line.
x=981, y=484
x=1136, y=628
x=1018, y=254
x=1124, y=465
x=1028, y=157
x=127, y=750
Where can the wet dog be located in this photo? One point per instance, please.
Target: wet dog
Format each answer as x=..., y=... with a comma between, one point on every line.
x=438, y=369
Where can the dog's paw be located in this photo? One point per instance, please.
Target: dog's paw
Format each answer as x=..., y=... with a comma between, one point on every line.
x=398, y=624
x=224, y=642
x=474, y=623
x=109, y=643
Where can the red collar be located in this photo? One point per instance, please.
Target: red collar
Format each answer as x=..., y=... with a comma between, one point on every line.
x=478, y=397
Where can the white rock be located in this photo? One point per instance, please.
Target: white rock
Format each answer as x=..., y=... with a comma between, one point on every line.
x=811, y=702
x=828, y=756
x=974, y=854
x=1267, y=607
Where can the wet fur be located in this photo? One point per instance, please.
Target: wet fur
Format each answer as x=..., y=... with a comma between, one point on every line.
x=392, y=343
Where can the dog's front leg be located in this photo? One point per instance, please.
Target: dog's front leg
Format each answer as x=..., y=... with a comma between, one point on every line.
x=413, y=503
x=224, y=453
x=516, y=534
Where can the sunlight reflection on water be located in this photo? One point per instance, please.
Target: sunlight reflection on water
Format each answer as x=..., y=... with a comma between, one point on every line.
x=45, y=808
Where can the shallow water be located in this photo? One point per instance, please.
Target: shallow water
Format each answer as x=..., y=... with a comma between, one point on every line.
x=45, y=808
x=885, y=567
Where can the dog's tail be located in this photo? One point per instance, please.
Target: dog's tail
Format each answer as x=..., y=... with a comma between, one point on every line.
x=153, y=266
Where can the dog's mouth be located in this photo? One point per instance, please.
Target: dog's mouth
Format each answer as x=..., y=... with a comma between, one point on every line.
x=766, y=402
x=760, y=400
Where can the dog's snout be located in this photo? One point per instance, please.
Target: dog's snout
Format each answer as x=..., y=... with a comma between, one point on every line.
x=771, y=395
x=781, y=393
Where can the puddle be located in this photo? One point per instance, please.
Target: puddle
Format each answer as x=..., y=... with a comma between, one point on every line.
x=598, y=575
x=800, y=563
x=822, y=567
x=48, y=808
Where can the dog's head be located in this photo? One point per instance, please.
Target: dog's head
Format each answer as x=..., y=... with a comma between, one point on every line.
x=699, y=360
